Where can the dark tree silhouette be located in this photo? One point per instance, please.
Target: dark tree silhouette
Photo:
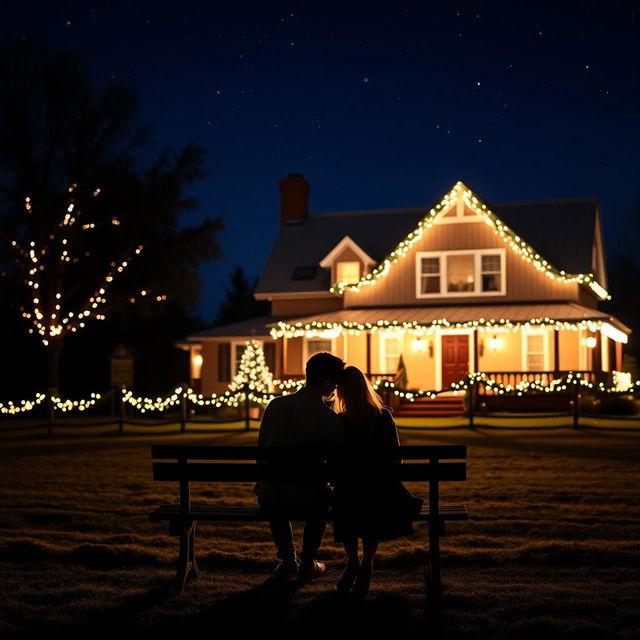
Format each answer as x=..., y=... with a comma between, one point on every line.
x=624, y=275
x=85, y=228
x=239, y=303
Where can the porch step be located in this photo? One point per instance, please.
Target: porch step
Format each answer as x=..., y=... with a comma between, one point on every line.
x=441, y=407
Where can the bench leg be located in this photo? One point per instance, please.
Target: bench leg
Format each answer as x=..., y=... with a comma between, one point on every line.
x=434, y=585
x=184, y=556
x=194, y=571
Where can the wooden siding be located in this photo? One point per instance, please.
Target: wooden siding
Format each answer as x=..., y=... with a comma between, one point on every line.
x=523, y=282
x=304, y=306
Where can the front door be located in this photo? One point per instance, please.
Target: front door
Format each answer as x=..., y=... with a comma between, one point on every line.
x=455, y=358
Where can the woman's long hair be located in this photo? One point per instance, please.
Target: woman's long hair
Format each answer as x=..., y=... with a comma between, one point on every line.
x=356, y=399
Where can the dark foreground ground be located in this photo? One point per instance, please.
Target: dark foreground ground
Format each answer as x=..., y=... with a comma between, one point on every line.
x=551, y=550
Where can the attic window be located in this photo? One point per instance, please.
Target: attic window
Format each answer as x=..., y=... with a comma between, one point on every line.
x=348, y=272
x=305, y=273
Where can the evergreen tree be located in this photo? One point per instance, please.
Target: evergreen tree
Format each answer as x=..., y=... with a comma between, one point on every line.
x=239, y=303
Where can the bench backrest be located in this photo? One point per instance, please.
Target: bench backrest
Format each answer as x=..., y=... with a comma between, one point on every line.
x=208, y=463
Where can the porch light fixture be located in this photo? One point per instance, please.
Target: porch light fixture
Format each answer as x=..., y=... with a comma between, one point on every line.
x=419, y=344
x=495, y=343
x=591, y=342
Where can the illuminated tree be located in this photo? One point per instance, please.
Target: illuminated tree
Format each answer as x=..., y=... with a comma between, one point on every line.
x=253, y=370
x=85, y=230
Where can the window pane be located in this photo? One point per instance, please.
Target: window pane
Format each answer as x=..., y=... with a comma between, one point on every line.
x=460, y=273
x=491, y=263
x=431, y=284
x=391, y=351
x=239, y=351
x=535, y=362
x=490, y=282
x=348, y=272
x=535, y=352
x=315, y=346
x=535, y=343
x=430, y=265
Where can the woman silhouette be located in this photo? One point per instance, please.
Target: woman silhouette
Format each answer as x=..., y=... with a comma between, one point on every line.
x=366, y=504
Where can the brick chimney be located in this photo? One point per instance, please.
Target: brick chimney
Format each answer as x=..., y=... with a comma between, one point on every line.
x=294, y=198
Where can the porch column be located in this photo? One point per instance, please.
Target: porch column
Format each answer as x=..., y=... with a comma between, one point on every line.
x=618, y=356
x=368, y=353
x=476, y=351
x=556, y=353
x=283, y=357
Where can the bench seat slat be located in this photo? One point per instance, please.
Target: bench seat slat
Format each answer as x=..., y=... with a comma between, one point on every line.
x=255, y=514
x=309, y=472
x=214, y=452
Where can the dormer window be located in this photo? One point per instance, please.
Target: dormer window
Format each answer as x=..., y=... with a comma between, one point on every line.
x=460, y=273
x=348, y=272
x=347, y=261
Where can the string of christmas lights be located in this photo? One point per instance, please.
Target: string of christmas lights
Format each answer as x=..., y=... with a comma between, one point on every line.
x=47, y=317
x=235, y=398
x=519, y=246
x=335, y=329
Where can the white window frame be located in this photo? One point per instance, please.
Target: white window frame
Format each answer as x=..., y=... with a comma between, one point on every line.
x=234, y=356
x=545, y=333
x=382, y=349
x=305, y=347
x=477, y=292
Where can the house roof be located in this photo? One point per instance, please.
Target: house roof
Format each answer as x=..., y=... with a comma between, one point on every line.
x=378, y=232
x=500, y=314
x=244, y=328
x=573, y=221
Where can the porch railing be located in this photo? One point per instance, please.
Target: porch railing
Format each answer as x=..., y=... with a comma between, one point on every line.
x=513, y=378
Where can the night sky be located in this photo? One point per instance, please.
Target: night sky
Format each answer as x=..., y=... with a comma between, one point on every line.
x=378, y=104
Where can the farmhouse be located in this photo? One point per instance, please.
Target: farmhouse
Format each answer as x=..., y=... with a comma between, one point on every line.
x=508, y=289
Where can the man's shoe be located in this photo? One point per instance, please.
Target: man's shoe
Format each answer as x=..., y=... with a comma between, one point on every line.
x=362, y=584
x=286, y=569
x=310, y=570
x=346, y=580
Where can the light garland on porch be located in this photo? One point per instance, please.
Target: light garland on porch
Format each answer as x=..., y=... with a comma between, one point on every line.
x=298, y=329
x=515, y=242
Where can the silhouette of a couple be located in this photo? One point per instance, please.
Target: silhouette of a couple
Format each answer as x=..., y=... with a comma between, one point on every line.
x=366, y=508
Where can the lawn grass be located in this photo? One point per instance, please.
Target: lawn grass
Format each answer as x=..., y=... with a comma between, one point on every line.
x=551, y=549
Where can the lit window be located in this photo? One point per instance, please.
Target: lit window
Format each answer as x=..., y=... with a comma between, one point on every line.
x=460, y=272
x=316, y=346
x=430, y=275
x=535, y=352
x=390, y=353
x=348, y=272
x=238, y=351
x=491, y=272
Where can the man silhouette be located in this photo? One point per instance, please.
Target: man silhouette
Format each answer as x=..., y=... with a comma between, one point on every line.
x=299, y=420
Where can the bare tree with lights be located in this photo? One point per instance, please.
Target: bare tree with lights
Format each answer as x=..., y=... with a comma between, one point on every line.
x=84, y=230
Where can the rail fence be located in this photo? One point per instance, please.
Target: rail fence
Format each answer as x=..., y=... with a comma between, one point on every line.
x=184, y=406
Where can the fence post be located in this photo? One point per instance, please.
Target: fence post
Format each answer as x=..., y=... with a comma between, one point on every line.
x=183, y=411
x=51, y=411
x=471, y=401
x=121, y=410
x=247, y=419
x=576, y=408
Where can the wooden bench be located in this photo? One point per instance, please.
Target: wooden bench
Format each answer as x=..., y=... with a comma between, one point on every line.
x=205, y=463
